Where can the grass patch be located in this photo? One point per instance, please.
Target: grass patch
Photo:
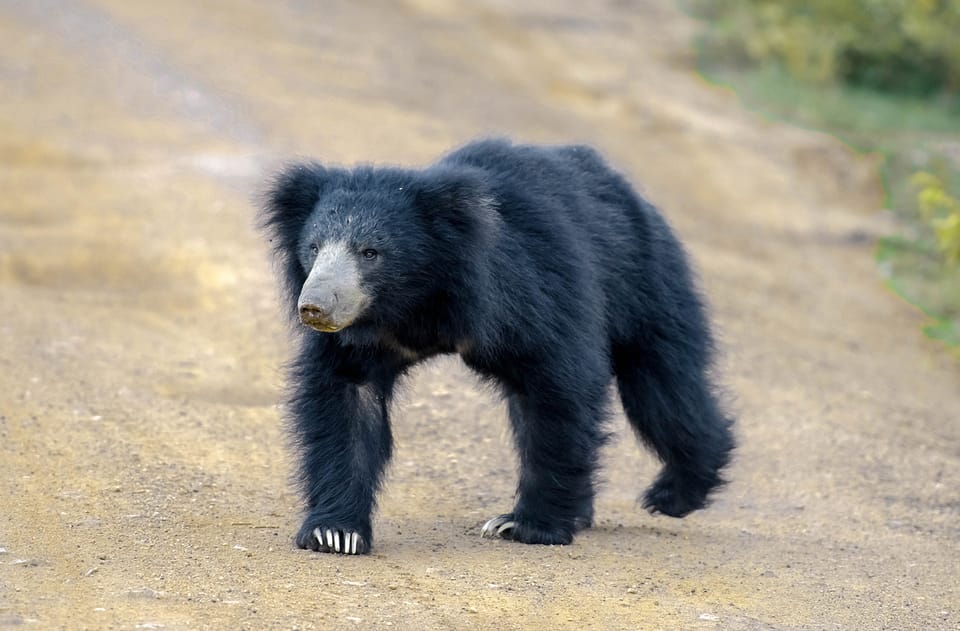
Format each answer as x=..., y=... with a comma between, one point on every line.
x=913, y=134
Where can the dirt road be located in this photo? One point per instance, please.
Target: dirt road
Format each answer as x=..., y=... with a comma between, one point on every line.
x=143, y=459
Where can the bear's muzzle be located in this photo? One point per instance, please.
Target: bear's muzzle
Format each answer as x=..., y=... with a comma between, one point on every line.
x=332, y=297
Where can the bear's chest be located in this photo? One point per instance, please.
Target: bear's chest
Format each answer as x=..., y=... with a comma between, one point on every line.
x=415, y=348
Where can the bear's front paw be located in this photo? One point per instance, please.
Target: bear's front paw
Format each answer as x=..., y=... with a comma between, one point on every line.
x=337, y=539
x=514, y=528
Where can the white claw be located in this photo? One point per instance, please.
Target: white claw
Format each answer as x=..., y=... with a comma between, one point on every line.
x=354, y=539
x=497, y=526
x=490, y=528
x=487, y=528
x=319, y=535
x=336, y=541
x=330, y=539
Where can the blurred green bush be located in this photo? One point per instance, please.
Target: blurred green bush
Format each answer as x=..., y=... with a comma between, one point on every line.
x=942, y=211
x=906, y=46
x=883, y=75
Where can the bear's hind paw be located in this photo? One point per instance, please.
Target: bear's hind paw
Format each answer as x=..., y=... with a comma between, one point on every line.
x=677, y=493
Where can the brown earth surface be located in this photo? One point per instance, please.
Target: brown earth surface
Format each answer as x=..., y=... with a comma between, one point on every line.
x=145, y=466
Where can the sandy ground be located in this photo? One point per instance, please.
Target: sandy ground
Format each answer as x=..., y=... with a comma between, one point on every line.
x=141, y=447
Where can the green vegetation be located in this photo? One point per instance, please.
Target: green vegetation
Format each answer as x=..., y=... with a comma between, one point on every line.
x=884, y=76
x=906, y=46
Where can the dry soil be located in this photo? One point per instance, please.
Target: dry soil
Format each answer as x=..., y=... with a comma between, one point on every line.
x=144, y=467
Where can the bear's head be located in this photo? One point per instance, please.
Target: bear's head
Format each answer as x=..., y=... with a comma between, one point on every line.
x=372, y=244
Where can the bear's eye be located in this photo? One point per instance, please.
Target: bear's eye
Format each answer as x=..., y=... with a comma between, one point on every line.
x=315, y=249
x=369, y=254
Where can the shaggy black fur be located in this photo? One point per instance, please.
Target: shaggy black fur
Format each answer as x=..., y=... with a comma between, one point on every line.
x=550, y=276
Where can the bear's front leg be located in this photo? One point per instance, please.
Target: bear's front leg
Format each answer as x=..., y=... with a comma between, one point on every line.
x=344, y=437
x=558, y=435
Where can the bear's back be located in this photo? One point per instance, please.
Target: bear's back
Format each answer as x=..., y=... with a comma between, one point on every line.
x=563, y=183
x=568, y=210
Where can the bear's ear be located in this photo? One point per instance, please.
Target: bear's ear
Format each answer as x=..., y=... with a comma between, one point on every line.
x=456, y=198
x=285, y=207
x=289, y=200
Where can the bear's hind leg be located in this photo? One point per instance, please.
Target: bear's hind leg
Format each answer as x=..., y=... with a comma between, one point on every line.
x=668, y=400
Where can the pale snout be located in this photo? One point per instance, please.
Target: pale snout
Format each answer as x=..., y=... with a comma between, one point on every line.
x=332, y=296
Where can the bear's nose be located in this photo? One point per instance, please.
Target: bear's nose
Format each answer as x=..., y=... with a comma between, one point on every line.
x=312, y=312
x=318, y=301
x=318, y=318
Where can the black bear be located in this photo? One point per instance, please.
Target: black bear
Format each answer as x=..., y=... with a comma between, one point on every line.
x=545, y=271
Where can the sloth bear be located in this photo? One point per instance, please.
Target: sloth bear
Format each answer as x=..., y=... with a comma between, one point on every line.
x=546, y=272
